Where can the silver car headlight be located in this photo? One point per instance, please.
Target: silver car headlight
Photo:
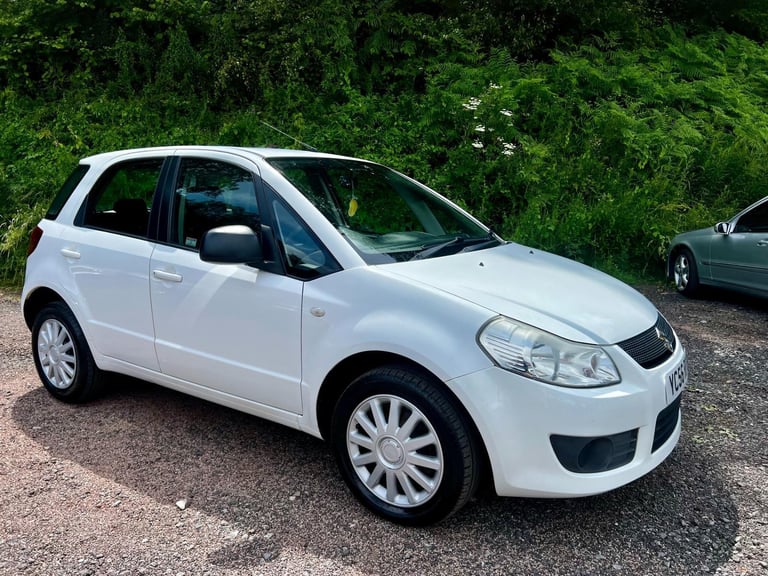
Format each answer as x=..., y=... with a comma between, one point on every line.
x=543, y=356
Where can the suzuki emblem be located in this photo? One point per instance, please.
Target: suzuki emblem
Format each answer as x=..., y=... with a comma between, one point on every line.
x=664, y=340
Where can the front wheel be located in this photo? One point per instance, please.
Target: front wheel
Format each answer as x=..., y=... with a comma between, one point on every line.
x=403, y=446
x=62, y=357
x=685, y=273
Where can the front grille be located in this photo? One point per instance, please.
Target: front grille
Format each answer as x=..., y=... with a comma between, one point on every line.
x=649, y=348
x=665, y=424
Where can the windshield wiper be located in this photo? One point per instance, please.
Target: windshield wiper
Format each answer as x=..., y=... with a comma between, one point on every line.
x=457, y=244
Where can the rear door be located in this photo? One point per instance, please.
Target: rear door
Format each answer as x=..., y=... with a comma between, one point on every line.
x=108, y=252
x=232, y=328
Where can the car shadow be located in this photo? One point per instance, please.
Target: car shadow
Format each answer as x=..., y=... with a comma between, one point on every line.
x=250, y=472
x=710, y=293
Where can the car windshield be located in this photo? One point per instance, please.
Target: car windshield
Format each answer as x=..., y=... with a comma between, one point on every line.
x=385, y=216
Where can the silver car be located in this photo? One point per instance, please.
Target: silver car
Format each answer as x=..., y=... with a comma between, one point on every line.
x=731, y=255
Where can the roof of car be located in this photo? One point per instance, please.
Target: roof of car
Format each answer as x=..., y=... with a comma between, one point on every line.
x=262, y=152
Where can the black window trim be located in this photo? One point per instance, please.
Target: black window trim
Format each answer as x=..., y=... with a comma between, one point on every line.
x=65, y=192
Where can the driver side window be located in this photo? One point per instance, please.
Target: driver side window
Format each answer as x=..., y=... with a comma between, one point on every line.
x=756, y=220
x=209, y=194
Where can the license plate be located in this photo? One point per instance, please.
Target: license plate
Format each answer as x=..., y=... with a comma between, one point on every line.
x=676, y=380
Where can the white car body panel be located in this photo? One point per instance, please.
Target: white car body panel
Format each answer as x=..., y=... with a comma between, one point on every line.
x=369, y=309
x=543, y=290
x=517, y=416
x=110, y=269
x=233, y=327
x=208, y=393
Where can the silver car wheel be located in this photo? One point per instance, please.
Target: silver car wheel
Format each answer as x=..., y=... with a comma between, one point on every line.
x=56, y=352
x=395, y=451
x=682, y=271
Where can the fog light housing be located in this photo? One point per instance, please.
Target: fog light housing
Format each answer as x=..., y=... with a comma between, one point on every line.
x=592, y=454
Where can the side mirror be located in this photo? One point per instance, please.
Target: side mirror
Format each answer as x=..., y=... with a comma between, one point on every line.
x=235, y=244
x=723, y=228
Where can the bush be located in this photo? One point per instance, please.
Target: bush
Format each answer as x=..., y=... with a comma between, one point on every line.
x=606, y=153
x=596, y=134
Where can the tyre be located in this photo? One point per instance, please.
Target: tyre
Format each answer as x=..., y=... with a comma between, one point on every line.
x=686, y=275
x=404, y=447
x=62, y=357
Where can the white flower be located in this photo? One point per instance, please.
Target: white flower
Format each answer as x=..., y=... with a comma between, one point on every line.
x=509, y=148
x=506, y=112
x=479, y=128
x=472, y=103
x=494, y=86
x=477, y=144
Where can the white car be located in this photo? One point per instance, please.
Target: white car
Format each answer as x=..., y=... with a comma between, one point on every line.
x=341, y=298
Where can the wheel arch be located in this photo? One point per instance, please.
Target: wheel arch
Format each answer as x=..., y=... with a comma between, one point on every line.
x=36, y=301
x=673, y=252
x=346, y=371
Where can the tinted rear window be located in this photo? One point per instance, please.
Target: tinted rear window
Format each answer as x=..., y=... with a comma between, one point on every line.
x=66, y=190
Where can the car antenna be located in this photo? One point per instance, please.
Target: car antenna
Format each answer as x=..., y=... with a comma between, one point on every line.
x=299, y=142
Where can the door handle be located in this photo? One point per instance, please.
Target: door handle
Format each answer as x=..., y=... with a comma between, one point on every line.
x=763, y=243
x=69, y=253
x=167, y=276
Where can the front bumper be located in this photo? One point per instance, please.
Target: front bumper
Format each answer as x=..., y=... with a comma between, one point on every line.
x=518, y=419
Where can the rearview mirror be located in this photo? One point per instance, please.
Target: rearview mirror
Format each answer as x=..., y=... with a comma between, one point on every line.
x=723, y=228
x=235, y=244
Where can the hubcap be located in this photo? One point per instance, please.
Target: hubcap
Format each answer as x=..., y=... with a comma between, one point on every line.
x=391, y=452
x=56, y=352
x=395, y=451
x=682, y=271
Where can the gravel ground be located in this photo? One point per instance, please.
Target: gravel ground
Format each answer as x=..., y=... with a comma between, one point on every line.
x=87, y=490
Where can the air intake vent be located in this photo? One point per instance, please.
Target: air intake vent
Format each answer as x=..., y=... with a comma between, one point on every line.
x=666, y=423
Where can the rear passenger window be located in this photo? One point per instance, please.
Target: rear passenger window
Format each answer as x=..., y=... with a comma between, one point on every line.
x=210, y=194
x=121, y=200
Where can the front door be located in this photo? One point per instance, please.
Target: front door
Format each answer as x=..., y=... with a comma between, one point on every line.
x=741, y=257
x=232, y=328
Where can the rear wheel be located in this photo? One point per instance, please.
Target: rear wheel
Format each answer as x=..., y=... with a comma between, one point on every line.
x=403, y=446
x=62, y=357
x=685, y=273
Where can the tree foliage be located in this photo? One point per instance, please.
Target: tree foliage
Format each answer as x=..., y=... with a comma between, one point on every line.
x=596, y=130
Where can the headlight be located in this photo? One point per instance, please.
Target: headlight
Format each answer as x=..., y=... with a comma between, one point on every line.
x=537, y=354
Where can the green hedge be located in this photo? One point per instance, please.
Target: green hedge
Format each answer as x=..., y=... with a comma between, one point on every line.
x=601, y=151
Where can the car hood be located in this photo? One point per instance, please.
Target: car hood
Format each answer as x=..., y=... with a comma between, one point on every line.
x=555, y=294
x=692, y=234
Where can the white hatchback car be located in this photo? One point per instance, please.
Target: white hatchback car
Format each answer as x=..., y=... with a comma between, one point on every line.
x=341, y=298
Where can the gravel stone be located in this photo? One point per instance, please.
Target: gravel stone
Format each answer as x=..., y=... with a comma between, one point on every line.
x=86, y=489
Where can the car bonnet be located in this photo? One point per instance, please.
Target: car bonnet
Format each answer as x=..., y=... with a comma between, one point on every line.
x=555, y=294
